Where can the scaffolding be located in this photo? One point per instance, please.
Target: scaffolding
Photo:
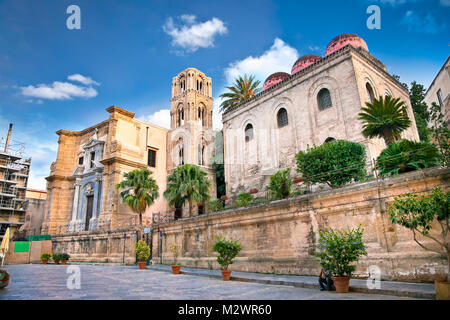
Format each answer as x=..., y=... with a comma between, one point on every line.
x=14, y=174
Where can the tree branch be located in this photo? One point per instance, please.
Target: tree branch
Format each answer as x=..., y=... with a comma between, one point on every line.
x=422, y=246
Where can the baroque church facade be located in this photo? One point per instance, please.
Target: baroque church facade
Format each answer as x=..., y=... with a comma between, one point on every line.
x=318, y=102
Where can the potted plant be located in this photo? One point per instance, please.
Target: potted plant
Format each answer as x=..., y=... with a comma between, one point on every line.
x=56, y=257
x=143, y=252
x=227, y=251
x=418, y=213
x=338, y=251
x=4, y=279
x=64, y=258
x=45, y=257
x=175, y=249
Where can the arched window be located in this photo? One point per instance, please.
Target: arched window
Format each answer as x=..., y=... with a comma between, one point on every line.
x=330, y=139
x=282, y=118
x=387, y=93
x=180, y=119
x=324, y=99
x=181, y=154
x=200, y=154
x=370, y=93
x=248, y=133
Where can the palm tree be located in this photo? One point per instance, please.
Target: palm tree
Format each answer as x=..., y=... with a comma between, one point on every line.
x=385, y=118
x=187, y=182
x=139, y=190
x=242, y=90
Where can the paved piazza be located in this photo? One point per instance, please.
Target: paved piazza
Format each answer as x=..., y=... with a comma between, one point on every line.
x=127, y=282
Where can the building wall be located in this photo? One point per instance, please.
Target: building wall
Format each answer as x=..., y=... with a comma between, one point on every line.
x=122, y=144
x=442, y=82
x=35, y=211
x=249, y=165
x=281, y=236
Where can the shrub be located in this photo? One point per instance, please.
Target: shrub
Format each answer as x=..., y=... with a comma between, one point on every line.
x=339, y=249
x=280, y=185
x=405, y=156
x=215, y=205
x=56, y=256
x=334, y=163
x=65, y=257
x=142, y=251
x=4, y=277
x=45, y=256
x=243, y=199
x=227, y=251
x=418, y=213
x=175, y=249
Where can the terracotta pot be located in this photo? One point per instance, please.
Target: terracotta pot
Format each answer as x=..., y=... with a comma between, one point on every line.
x=176, y=269
x=56, y=261
x=63, y=261
x=253, y=191
x=4, y=283
x=142, y=264
x=226, y=274
x=298, y=180
x=44, y=261
x=342, y=284
x=224, y=198
x=442, y=290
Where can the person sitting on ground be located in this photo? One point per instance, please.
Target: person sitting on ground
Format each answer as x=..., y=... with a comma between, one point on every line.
x=325, y=279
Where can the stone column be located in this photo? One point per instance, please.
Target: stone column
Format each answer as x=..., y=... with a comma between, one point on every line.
x=75, y=207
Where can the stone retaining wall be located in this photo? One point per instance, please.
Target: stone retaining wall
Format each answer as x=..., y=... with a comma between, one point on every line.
x=280, y=236
x=98, y=246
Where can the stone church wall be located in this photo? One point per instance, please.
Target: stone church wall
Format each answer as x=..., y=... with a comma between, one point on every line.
x=281, y=236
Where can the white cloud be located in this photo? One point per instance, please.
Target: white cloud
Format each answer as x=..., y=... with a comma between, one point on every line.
x=59, y=91
x=84, y=80
x=445, y=3
x=191, y=36
x=280, y=57
x=160, y=118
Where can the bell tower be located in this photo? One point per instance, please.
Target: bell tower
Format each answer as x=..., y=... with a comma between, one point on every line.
x=190, y=139
x=191, y=136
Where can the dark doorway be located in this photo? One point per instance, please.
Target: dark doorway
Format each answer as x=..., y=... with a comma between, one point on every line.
x=90, y=205
x=178, y=213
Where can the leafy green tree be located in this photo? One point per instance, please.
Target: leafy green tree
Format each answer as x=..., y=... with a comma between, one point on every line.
x=219, y=169
x=242, y=90
x=280, y=185
x=334, y=163
x=418, y=213
x=440, y=133
x=187, y=183
x=227, y=251
x=338, y=250
x=421, y=114
x=384, y=118
x=243, y=199
x=139, y=190
x=405, y=156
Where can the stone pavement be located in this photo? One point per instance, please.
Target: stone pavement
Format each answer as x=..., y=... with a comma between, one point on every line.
x=112, y=282
x=395, y=288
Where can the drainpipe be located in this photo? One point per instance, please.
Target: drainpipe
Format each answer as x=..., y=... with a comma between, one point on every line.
x=8, y=139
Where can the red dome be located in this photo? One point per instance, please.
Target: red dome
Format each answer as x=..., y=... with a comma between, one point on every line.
x=304, y=62
x=343, y=40
x=274, y=79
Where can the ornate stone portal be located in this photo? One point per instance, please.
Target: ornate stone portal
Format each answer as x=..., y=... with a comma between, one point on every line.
x=88, y=187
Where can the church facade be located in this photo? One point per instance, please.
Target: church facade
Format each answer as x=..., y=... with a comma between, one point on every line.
x=318, y=102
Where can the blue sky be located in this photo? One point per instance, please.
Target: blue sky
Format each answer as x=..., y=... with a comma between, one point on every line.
x=127, y=52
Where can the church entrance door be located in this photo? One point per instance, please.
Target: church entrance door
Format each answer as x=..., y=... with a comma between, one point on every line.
x=90, y=206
